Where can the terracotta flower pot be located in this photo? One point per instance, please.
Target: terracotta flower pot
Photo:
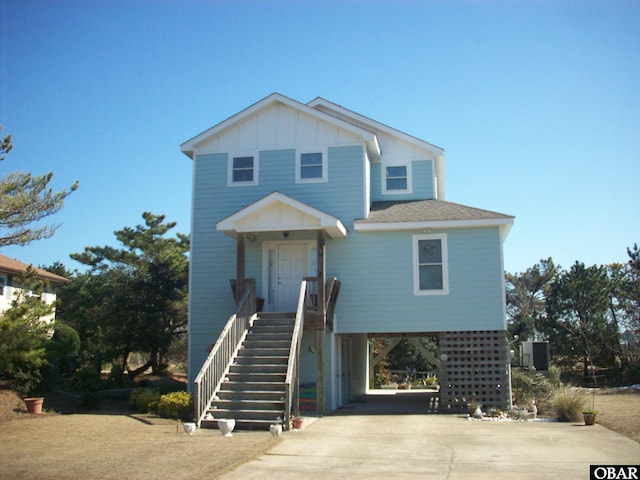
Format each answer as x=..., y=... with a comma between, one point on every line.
x=589, y=418
x=34, y=405
x=297, y=423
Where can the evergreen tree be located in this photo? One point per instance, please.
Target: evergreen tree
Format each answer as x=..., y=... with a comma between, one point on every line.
x=25, y=200
x=134, y=299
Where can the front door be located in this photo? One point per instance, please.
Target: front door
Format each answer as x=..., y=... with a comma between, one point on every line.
x=291, y=268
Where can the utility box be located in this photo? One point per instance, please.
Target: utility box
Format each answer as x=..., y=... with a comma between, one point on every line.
x=535, y=354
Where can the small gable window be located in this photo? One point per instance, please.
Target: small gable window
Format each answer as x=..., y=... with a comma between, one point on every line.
x=310, y=167
x=430, y=260
x=243, y=171
x=396, y=179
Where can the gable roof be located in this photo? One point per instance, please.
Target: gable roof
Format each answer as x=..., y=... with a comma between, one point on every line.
x=14, y=267
x=404, y=215
x=368, y=123
x=278, y=212
x=189, y=147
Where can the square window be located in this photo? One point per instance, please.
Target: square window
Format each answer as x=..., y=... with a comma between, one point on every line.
x=243, y=170
x=430, y=264
x=311, y=167
x=396, y=179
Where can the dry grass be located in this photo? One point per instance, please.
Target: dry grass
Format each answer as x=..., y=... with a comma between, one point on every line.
x=619, y=411
x=115, y=443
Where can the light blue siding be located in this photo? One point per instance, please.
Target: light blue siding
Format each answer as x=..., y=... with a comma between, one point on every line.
x=422, y=182
x=376, y=270
x=213, y=254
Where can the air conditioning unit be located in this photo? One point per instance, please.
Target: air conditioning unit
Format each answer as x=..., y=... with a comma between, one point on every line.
x=535, y=354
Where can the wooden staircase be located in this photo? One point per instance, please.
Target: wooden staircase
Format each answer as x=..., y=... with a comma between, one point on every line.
x=253, y=391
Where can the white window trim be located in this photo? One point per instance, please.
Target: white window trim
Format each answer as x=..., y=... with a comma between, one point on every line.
x=409, y=189
x=230, y=182
x=445, y=264
x=325, y=165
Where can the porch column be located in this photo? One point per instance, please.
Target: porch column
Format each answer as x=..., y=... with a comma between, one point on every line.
x=240, y=256
x=322, y=280
x=320, y=334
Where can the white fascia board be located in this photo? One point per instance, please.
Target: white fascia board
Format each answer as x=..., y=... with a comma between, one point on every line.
x=504, y=224
x=332, y=225
x=319, y=101
x=189, y=147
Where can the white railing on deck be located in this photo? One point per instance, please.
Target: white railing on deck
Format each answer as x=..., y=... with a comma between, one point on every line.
x=215, y=367
x=292, y=381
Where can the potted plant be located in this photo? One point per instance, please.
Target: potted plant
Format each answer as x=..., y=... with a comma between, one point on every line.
x=28, y=384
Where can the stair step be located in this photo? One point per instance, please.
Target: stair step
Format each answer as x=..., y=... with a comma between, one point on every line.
x=243, y=424
x=256, y=376
x=283, y=330
x=258, y=368
x=251, y=343
x=273, y=416
x=253, y=386
x=273, y=396
x=270, y=405
x=261, y=360
x=263, y=352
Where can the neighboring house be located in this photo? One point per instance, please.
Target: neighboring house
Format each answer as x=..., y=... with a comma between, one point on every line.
x=10, y=273
x=284, y=191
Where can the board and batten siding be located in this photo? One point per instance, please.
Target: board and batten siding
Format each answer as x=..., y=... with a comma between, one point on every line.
x=377, y=295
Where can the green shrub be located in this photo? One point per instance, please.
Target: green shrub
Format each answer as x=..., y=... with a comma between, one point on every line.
x=145, y=400
x=87, y=380
x=118, y=377
x=431, y=380
x=568, y=403
x=528, y=386
x=175, y=405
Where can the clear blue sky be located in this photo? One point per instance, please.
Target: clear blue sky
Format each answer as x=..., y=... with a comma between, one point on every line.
x=537, y=103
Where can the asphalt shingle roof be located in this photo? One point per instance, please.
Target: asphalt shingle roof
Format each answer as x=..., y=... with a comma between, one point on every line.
x=426, y=211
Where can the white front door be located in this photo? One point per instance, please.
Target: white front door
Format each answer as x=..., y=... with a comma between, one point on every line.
x=291, y=268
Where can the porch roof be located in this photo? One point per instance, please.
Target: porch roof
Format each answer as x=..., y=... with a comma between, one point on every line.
x=402, y=215
x=279, y=213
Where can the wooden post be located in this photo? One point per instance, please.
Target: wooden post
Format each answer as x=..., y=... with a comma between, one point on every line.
x=322, y=280
x=320, y=390
x=240, y=256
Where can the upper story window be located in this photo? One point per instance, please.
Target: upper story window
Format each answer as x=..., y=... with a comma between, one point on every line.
x=311, y=167
x=397, y=179
x=243, y=170
x=430, y=265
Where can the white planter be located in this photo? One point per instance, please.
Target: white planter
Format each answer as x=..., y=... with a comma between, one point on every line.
x=189, y=427
x=226, y=426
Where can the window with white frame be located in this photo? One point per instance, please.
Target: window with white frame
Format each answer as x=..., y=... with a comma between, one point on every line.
x=311, y=167
x=430, y=264
x=242, y=170
x=397, y=179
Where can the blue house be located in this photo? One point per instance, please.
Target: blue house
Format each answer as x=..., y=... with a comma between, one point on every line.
x=315, y=229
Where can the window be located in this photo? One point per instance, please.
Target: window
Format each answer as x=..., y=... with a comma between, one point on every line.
x=243, y=171
x=431, y=275
x=397, y=179
x=310, y=167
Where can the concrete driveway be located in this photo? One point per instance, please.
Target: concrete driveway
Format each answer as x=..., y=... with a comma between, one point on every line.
x=371, y=440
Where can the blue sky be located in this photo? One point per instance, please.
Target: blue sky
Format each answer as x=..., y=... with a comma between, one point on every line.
x=537, y=104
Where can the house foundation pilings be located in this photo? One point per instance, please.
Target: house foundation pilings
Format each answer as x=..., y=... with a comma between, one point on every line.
x=474, y=370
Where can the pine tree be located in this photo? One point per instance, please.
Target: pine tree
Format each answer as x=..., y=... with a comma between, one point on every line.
x=26, y=199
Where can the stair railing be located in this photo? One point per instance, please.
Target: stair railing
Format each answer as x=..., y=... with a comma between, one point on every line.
x=292, y=380
x=216, y=366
